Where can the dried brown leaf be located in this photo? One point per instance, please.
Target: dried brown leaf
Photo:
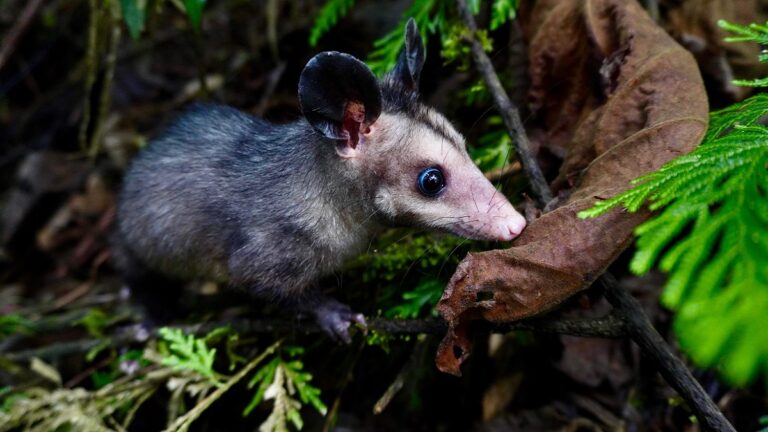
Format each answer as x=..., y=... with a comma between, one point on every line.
x=693, y=23
x=621, y=97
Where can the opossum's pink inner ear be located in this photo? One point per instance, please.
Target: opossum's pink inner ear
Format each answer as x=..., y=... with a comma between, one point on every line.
x=339, y=96
x=411, y=60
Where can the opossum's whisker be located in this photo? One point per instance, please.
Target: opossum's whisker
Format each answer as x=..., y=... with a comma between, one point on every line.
x=445, y=260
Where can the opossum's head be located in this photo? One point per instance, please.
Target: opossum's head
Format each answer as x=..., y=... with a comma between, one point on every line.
x=411, y=162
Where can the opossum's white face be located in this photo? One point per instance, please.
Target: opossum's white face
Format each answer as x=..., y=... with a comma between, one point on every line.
x=410, y=161
x=424, y=177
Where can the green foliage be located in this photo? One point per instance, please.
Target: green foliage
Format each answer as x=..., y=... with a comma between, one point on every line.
x=426, y=293
x=231, y=340
x=430, y=16
x=188, y=352
x=764, y=422
x=455, y=46
x=110, y=408
x=503, y=11
x=711, y=236
x=494, y=148
x=14, y=323
x=126, y=363
x=95, y=321
x=183, y=364
x=751, y=33
x=281, y=380
x=476, y=94
x=329, y=15
x=134, y=16
x=417, y=251
x=194, y=9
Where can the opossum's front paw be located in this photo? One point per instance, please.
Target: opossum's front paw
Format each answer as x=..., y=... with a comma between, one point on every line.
x=335, y=318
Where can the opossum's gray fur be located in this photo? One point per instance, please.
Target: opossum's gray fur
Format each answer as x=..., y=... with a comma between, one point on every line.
x=227, y=195
x=271, y=208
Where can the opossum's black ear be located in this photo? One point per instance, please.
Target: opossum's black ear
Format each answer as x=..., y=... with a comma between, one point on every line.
x=411, y=60
x=339, y=94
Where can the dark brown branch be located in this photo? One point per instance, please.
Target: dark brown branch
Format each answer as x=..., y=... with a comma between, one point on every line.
x=671, y=367
x=636, y=321
x=507, y=110
x=608, y=327
x=11, y=39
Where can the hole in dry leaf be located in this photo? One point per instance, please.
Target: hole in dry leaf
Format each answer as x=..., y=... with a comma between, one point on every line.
x=457, y=351
x=484, y=295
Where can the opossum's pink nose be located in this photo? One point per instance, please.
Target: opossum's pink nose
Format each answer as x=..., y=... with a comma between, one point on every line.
x=511, y=226
x=507, y=222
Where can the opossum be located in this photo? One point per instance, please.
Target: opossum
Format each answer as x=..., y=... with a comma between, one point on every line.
x=226, y=196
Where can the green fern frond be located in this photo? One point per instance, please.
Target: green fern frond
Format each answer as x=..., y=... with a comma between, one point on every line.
x=329, y=15
x=711, y=236
x=282, y=380
x=757, y=33
x=426, y=293
x=761, y=82
x=188, y=352
x=430, y=16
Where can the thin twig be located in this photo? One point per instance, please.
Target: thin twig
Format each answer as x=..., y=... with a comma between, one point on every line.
x=608, y=327
x=330, y=417
x=636, y=321
x=413, y=362
x=91, y=66
x=182, y=423
x=671, y=367
x=509, y=113
x=11, y=39
x=105, y=98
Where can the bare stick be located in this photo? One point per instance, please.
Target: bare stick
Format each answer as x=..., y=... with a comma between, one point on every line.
x=637, y=323
x=11, y=39
x=507, y=110
x=671, y=367
x=608, y=327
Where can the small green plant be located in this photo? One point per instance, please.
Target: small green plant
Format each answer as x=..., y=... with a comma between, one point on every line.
x=494, y=148
x=185, y=351
x=763, y=422
x=182, y=363
x=281, y=380
x=95, y=322
x=14, y=323
x=503, y=11
x=134, y=15
x=431, y=16
x=711, y=236
x=426, y=294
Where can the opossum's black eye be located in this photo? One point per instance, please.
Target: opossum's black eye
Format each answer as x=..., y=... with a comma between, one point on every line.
x=431, y=181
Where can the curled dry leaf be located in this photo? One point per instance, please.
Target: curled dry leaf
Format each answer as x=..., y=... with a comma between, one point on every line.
x=621, y=98
x=693, y=23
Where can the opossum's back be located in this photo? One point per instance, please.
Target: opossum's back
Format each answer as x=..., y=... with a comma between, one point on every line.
x=172, y=212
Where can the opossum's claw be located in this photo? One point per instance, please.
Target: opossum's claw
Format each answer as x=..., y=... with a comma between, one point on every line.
x=335, y=319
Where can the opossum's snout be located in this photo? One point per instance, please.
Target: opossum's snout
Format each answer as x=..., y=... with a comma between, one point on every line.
x=500, y=221
x=486, y=212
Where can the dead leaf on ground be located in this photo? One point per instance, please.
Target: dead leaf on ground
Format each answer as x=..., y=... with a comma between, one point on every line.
x=621, y=97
